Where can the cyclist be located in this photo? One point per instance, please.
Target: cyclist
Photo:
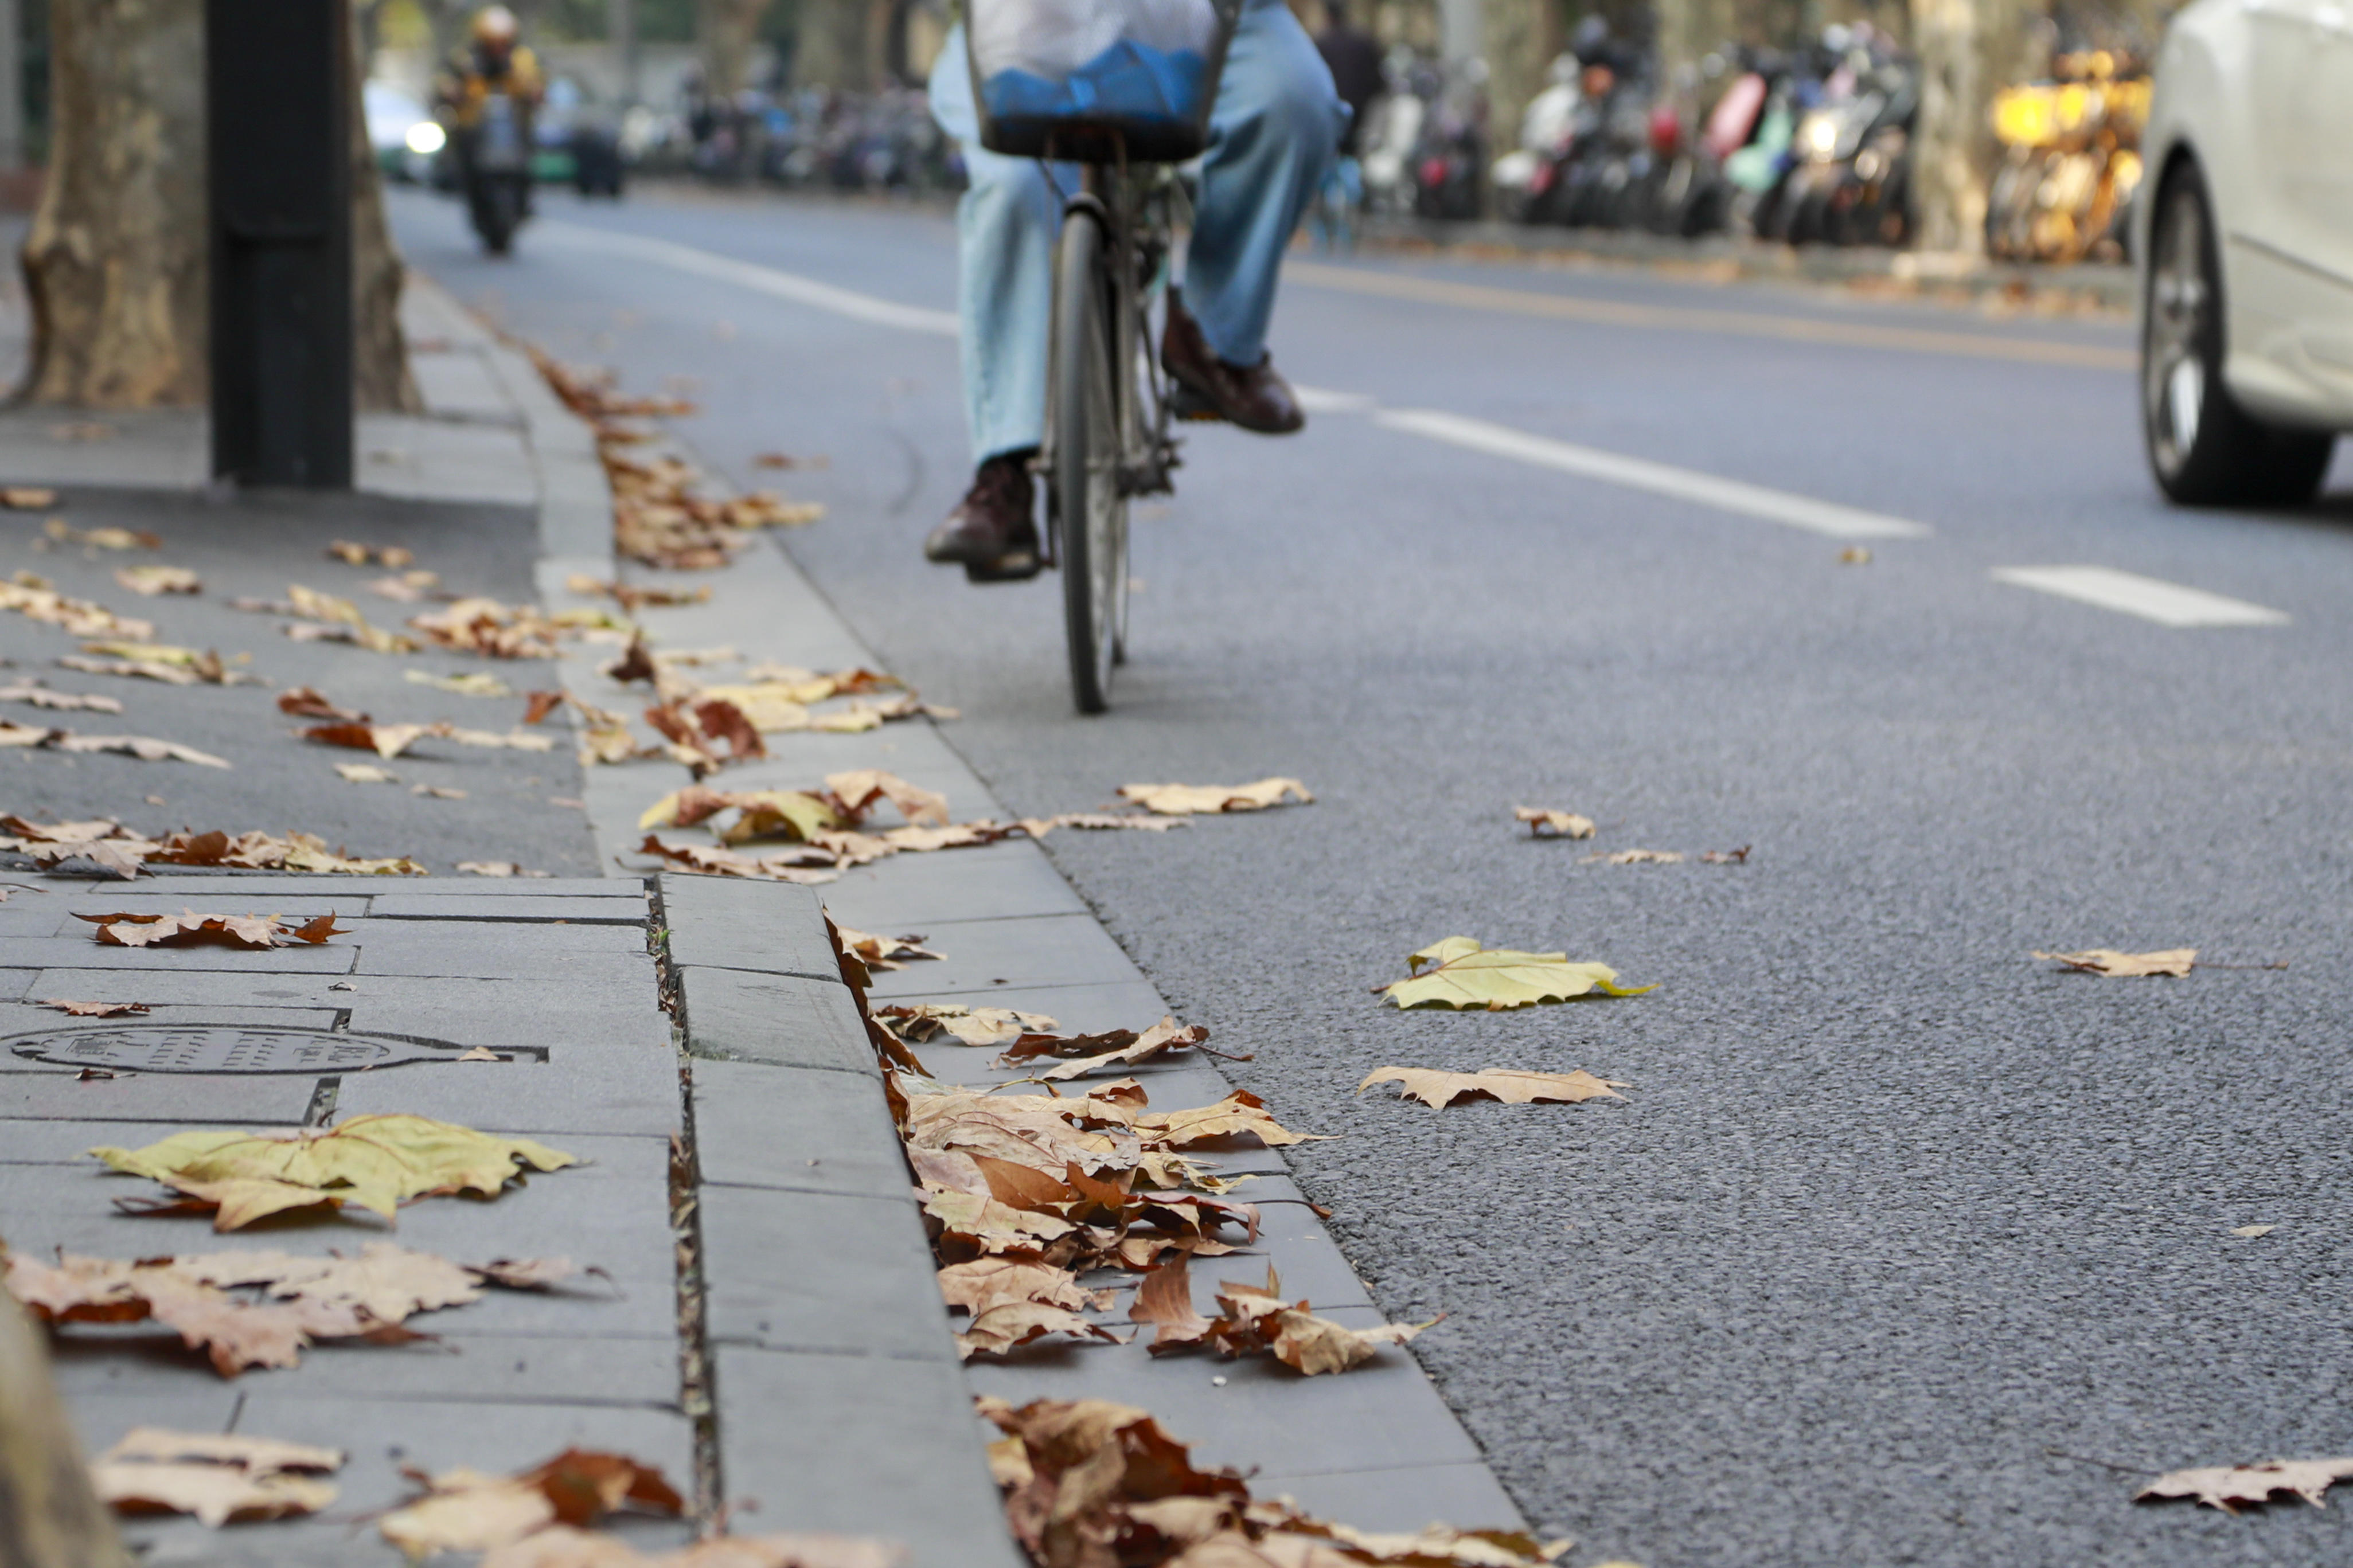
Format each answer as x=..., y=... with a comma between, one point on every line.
x=1271, y=134
x=490, y=61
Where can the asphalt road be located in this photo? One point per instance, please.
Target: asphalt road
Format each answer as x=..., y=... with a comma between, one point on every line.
x=1904, y=1248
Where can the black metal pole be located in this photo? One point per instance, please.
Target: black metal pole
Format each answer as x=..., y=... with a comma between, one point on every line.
x=278, y=120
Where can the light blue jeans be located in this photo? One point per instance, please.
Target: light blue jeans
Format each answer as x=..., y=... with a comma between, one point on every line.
x=1271, y=134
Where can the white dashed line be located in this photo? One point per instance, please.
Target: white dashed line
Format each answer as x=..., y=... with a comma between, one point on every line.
x=761, y=279
x=2167, y=604
x=1660, y=478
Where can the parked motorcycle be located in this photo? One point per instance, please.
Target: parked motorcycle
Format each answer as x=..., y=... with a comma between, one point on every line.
x=2071, y=162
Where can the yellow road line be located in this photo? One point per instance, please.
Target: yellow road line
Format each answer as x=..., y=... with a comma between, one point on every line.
x=1677, y=318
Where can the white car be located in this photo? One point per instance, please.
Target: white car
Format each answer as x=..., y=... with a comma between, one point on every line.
x=2245, y=248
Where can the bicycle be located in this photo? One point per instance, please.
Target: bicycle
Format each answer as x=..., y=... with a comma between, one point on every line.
x=1108, y=404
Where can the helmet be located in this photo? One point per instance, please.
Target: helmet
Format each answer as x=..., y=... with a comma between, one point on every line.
x=495, y=26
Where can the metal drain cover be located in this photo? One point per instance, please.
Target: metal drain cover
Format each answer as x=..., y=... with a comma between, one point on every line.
x=225, y=1048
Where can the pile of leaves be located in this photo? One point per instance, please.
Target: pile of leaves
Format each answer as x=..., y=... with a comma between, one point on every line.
x=1254, y=1320
x=302, y=1300
x=1090, y=1484
x=377, y=1163
x=123, y=850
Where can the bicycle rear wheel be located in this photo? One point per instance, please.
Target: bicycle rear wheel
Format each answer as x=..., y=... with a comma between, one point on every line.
x=1090, y=413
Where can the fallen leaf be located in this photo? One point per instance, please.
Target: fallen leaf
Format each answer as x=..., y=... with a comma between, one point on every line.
x=2176, y=961
x=928, y=1021
x=1457, y=972
x=146, y=748
x=789, y=865
x=1855, y=555
x=437, y=792
x=1007, y=1327
x=2233, y=1488
x=1544, y=823
x=883, y=952
x=190, y=929
x=352, y=554
x=386, y=741
x=40, y=696
x=481, y=1054
x=495, y=868
x=538, y=705
x=103, y=840
x=219, y=1479
x=152, y=581
x=859, y=791
x=987, y=1282
x=1097, y=821
x=1164, y=1036
x=514, y=740
x=56, y=528
x=28, y=498
x=1726, y=856
x=629, y=596
x=484, y=626
x=159, y=661
x=479, y=683
x=364, y=773
x=1187, y=800
x=95, y=1009
x=30, y=596
x=1635, y=857
x=1241, y=1114
x=1509, y=1085
x=466, y=1510
x=2251, y=1231
x=375, y=1162
x=260, y=851
x=305, y=702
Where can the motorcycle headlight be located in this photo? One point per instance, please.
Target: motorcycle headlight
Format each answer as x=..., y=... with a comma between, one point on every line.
x=1821, y=134
x=425, y=138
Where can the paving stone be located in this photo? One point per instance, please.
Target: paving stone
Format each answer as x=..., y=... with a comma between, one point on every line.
x=573, y=1369
x=24, y=1017
x=798, y=1129
x=273, y=1098
x=517, y=1013
x=1041, y=951
x=578, y=1001
x=1466, y=1496
x=64, y=916
x=909, y=892
x=784, y=1020
x=863, y=1446
x=85, y=952
x=1384, y=1415
x=727, y=923
x=811, y=1272
x=458, y=907
x=494, y=950
x=579, y=1090
x=16, y=983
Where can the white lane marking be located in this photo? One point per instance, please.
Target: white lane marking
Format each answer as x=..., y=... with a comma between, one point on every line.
x=749, y=275
x=1323, y=400
x=1636, y=473
x=2152, y=599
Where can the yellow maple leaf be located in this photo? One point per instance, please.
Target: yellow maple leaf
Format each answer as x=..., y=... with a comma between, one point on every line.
x=1458, y=973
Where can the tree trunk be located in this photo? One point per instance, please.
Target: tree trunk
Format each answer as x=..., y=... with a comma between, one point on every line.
x=728, y=29
x=1948, y=185
x=115, y=263
x=48, y=1516
x=1519, y=38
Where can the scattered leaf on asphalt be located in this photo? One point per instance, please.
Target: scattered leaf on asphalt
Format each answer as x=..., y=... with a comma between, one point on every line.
x=437, y=792
x=1187, y=800
x=158, y=661
x=352, y=552
x=364, y=774
x=64, y=532
x=151, y=581
x=478, y=683
x=146, y=748
x=375, y=1162
x=95, y=1009
x=1507, y=1084
x=1635, y=857
x=28, y=498
x=2251, y=1231
x=1098, y=822
x=305, y=702
x=2233, y=1488
x=386, y=741
x=2175, y=961
x=190, y=929
x=1544, y=823
x=928, y=1021
x=1458, y=973
x=883, y=953
x=260, y=851
x=467, y=1510
x=1726, y=856
x=40, y=696
x=31, y=596
x=1855, y=555
x=219, y=1479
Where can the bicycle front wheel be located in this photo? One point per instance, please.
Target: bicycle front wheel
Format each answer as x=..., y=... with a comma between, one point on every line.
x=1089, y=415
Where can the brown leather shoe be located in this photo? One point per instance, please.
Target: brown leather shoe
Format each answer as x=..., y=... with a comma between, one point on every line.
x=1253, y=397
x=992, y=532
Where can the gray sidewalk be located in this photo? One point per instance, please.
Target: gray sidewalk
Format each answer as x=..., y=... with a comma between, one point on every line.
x=782, y=1261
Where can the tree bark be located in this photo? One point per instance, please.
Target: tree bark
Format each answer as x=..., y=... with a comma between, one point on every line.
x=115, y=263
x=115, y=260
x=1948, y=182
x=49, y=1518
x=728, y=29
x=1519, y=38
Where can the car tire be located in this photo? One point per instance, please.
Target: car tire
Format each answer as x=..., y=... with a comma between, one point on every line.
x=2203, y=448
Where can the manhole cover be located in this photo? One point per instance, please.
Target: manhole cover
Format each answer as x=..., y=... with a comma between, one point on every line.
x=223, y=1048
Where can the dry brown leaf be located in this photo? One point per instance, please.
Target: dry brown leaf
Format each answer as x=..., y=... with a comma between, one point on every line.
x=189, y=929
x=219, y=1479
x=1187, y=800
x=924, y=1022
x=386, y=741
x=159, y=661
x=262, y=851
x=1544, y=823
x=1725, y=857
x=95, y=1009
x=466, y=1510
x=1509, y=1085
x=883, y=953
x=987, y=1282
x=1096, y=1053
x=1007, y=1327
x=1097, y=821
x=307, y=702
x=352, y=554
x=859, y=790
x=151, y=581
x=484, y=626
x=2175, y=961
x=2251, y=1231
x=1241, y=1114
x=788, y=866
x=64, y=532
x=364, y=774
x=1635, y=857
x=2233, y=1488
x=28, y=498
x=436, y=792
x=40, y=696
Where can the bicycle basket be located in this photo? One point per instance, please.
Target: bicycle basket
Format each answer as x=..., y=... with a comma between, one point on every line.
x=1094, y=81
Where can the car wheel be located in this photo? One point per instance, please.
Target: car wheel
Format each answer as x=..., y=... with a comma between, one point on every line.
x=2204, y=449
